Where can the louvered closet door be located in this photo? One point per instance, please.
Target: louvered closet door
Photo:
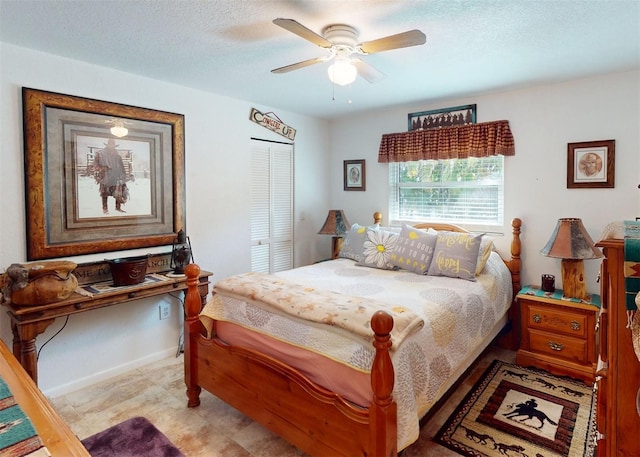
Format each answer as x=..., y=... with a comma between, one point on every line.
x=271, y=206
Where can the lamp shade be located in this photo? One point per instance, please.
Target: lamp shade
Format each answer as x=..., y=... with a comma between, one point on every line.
x=342, y=72
x=336, y=223
x=570, y=240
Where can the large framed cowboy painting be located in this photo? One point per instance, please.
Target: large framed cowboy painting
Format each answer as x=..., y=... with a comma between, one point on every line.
x=100, y=176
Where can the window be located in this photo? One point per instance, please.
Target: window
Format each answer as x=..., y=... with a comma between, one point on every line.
x=271, y=206
x=459, y=191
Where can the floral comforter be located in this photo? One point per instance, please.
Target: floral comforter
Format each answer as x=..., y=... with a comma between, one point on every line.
x=336, y=309
x=458, y=316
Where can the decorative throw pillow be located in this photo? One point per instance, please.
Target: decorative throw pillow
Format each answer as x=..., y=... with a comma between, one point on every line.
x=391, y=228
x=352, y=243
x=456, y=255
x=486, y=247
x=378, y=247
x=414, y=249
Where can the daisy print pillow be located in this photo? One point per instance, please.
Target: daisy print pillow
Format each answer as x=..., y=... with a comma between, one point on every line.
x=378, y=248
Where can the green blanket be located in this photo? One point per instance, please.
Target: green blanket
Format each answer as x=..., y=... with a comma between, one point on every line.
x=631, y=262
x=17, y=435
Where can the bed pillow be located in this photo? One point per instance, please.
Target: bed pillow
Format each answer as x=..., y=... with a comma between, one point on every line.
x=486, y=247
x=377, y=249
x=456, y=255
x=352, y=243
x=391, y=228
x=414, y=249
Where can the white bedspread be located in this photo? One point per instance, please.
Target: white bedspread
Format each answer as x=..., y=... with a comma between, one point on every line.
x=338, y=309
x=458, y=316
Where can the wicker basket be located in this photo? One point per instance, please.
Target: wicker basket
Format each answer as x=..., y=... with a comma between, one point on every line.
x=128, y=271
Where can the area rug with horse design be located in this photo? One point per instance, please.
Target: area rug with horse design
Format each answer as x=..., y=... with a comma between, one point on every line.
x=515, y=411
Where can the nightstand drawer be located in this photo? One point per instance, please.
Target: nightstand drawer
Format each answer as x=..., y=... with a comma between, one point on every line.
x=557, y=320
x=572, y=349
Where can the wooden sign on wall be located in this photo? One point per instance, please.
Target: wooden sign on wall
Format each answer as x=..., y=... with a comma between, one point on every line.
x=275, y=125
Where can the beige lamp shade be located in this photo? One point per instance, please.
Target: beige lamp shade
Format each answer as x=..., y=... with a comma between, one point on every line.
x=571, y=243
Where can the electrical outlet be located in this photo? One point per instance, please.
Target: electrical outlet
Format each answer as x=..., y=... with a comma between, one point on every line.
x=164, y=311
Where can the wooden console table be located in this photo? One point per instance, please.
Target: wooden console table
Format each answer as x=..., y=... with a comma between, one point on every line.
x=27, y=322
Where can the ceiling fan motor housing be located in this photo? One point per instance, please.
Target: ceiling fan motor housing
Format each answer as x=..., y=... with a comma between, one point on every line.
x=342, y=36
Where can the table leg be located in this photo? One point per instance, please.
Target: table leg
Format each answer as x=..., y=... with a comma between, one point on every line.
x=24, y=344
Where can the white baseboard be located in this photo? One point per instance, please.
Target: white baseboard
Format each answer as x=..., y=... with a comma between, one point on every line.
x=108, y=374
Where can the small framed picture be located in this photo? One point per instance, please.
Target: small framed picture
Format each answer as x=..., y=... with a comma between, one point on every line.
x=591, y=164
x=354, y=175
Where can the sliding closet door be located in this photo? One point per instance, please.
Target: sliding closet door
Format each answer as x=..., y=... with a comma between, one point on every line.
x=271, y=206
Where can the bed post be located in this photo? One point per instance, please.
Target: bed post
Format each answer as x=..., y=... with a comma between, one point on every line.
x=511, y=338
x=192, y=325
x=383, y=418
x=514, y=262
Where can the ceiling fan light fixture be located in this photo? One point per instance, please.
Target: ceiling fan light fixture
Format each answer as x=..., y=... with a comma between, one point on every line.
x=119, y=129
x=342, y=72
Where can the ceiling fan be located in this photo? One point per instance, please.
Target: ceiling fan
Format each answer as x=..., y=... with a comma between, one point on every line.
x=342, y=42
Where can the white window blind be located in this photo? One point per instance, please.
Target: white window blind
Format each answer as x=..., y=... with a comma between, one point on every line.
x=460, y=191
x=271, y=207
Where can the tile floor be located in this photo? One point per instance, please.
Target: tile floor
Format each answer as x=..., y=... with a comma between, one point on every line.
x=214, y=429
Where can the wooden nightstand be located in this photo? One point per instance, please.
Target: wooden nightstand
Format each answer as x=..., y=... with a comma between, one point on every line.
x=558, y=334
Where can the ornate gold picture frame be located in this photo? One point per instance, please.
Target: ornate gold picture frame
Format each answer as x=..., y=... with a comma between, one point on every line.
x=71, y=208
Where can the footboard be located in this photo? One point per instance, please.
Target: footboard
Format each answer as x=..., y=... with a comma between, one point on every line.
x=279, y=397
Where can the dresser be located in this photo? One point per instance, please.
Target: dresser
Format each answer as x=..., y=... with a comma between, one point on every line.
x=558, y=334
x=618, y=371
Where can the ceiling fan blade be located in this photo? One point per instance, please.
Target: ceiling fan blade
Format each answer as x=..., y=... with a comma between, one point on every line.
x=401, y=40
x=298, y=65
x=300, y=30
x=367, y=71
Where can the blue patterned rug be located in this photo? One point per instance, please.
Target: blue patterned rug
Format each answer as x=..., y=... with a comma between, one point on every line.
x=515, y=411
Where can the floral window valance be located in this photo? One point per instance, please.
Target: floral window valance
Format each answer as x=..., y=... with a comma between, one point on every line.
x=473, y=140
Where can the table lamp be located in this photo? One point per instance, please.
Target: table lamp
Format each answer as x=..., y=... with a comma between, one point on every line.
x=336, y=225
x=571, y=243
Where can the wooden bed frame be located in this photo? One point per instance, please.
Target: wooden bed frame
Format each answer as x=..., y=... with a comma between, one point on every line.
x=282, y=399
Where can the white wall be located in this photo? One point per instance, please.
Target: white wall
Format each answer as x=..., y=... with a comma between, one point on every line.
x=543, y=120
x=101, y=343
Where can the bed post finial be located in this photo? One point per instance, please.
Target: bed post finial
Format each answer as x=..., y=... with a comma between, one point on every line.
x=377, y=217
x=192, y=308
x=383, y=410
x=510, y=339
x=516, y=248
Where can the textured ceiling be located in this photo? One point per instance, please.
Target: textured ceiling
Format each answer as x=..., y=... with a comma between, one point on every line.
x=228, y=47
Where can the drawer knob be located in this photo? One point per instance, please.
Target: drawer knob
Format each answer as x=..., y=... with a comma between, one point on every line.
x=575, y=325
x=555, y=346
x=537, y=318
